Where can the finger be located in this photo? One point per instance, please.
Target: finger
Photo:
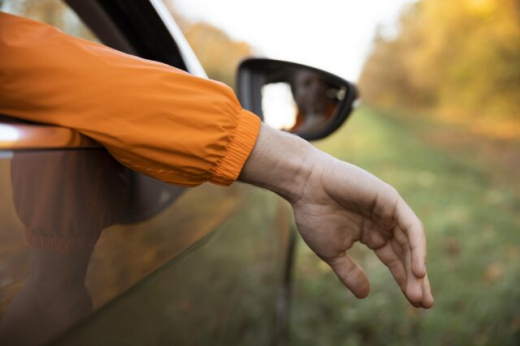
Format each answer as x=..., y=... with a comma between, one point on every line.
x=427, y=301
x=400, y=244
x=414, y=285
x=401, y=239
x=397, y=248
x=389, y=258
x=413, y=228
x=351, y=275
x=384, y=208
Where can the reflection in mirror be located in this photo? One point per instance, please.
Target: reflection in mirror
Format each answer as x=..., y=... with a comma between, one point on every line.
x=300, y=101
x=278, y=106
x=306, y=101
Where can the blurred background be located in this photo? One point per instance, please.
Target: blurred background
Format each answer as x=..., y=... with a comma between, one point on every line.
x=440, y=120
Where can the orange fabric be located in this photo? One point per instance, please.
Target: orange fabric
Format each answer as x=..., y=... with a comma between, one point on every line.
x=151, y=117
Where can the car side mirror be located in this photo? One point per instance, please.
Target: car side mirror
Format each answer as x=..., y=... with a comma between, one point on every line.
x=300, y=99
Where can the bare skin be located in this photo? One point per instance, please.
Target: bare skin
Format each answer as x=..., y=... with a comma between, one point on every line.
x=337, y=204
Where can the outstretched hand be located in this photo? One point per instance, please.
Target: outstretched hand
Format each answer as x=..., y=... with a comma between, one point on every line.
x=337, y=204
x=342, y=204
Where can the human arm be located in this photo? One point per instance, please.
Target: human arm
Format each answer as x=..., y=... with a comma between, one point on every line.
x=153, y=118
x=337, y=204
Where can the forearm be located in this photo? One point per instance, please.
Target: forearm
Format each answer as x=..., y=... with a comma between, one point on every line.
x=280, y=162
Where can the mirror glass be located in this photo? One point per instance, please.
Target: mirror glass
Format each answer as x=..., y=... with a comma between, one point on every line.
x=300, y=100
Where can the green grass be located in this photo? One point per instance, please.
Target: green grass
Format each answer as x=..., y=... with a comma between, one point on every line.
x=473, y=231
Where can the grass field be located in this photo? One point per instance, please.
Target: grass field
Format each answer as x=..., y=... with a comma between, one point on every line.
x=466, y=189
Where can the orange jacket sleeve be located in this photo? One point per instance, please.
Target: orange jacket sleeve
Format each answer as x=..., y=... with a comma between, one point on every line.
x=151, y=117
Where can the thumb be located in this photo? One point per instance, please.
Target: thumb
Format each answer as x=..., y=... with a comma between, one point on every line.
x=350, y=274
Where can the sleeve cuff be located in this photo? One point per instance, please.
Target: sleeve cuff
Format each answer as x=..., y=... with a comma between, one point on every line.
x=246, y=133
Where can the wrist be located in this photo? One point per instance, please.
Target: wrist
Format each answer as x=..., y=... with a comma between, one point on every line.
x=279, y=162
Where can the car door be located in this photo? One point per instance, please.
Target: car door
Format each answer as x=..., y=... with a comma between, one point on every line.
x=93, y=253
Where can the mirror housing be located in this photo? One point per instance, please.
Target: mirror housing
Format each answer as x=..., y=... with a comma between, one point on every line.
x=300, y=99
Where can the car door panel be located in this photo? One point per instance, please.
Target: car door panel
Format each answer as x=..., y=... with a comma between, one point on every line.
x=209, y=256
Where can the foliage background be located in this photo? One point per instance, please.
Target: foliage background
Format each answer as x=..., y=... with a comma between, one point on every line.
x=456, y=59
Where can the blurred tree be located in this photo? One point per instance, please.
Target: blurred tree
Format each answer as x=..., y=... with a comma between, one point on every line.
x=454, y=56
x=218, y=53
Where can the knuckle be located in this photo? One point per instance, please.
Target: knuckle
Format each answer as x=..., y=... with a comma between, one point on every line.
x=392, y=192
